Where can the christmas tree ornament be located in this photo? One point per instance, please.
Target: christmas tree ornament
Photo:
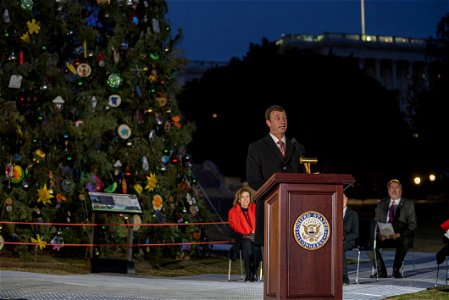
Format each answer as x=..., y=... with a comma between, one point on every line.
x=15, y=81
x=60, y=198
x=138, y=188
x=138, y=91
x=71, y=67
x=154, y=56
x=124, y=186
x=114, y=100
x=151, y=182
x=137, y=222
x=33, y=27
x=57, y=242
x=6, y=17
x=21, y=57
x=41, y=244
x=155, y=24
x=145, y=164
x=26, y=4
x=12, y=56
x=94, y=184
x=9, y=172
x=111, y=188
x=176, y=121
x=115, y=55
x=58, y=104
x=157, y=202
x=128, y=172
x=67, y=185
x=153, y=76
x=117, y=167
x=161, y=99
x=18, y=174
x=45, y=195
x=83, y=70
x=100, y=59
x=152, y=135
x=38, y=156
x=25, y=37
x=114, y=80
x=124, y=131
x=93, y=102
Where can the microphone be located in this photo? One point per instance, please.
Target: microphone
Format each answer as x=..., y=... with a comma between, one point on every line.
x=297, y=146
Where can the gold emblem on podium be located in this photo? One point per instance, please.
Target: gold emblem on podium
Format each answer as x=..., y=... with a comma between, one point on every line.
x=311, y=230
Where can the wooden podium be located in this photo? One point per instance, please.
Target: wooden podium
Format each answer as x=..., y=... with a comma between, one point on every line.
x=303, y=235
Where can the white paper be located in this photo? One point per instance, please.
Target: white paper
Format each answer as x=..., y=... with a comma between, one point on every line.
x=385, y=229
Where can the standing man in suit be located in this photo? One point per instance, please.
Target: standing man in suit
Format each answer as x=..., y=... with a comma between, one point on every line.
x=350, y=233
x=272, y=154
x=400, y=212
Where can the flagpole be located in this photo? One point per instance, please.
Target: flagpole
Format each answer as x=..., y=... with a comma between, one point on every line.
x=362, y=13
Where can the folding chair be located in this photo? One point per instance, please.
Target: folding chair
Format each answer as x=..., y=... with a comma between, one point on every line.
x=357, y=249
x=261, y=263
x=231, y=256
x=445, y=272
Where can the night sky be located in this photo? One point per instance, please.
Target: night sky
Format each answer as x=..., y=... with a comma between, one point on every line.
x=218, y=30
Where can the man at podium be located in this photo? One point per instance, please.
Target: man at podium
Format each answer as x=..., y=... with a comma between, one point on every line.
x=271, y=154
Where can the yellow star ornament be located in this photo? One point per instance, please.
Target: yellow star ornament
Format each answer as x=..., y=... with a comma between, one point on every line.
x=25, y=37
x=45, y=195
x=151, y=182
x=33, y=26
x=39, y=242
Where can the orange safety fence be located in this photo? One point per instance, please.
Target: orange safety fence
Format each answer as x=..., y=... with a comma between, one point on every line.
x=126, y=225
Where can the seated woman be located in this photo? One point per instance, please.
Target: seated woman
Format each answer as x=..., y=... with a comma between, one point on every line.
x=242, y=220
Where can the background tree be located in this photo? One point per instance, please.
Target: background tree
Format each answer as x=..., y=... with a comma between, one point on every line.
x=343, y=117
x=88, y=98
x=433, y=107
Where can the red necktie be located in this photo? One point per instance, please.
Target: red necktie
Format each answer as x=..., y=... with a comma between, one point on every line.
x=391, y=213
x=282, y=147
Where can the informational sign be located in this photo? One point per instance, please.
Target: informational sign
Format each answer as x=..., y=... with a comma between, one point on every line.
x=119, y=203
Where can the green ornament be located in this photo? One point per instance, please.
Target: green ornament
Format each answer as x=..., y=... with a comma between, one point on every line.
x=114, y=80
x=26, y=4
x=154, y=56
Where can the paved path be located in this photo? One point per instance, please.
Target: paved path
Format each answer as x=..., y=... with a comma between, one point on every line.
x=33, y=286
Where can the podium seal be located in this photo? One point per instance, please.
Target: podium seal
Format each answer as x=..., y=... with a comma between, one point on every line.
x=311, y=230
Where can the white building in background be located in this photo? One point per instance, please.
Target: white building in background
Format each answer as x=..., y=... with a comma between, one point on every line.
x=396, y=62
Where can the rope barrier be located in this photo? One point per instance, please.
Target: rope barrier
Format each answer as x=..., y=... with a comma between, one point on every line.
x=115, y=245
x=118, y=245
x=126, y=225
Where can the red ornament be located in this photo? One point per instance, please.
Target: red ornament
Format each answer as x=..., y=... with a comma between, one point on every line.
x=21, y=58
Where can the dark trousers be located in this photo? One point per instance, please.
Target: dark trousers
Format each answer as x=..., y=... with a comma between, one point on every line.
x=402, y=245
x=251, y=257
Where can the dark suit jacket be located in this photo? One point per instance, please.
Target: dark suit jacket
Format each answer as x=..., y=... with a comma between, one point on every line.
x=405, y=216
x=263, y=160
x=350, y=229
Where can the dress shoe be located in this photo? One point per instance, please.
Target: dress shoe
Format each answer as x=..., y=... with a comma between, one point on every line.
x=397, y=274
x=381, y=275
x=250, y=278
x=346, y=282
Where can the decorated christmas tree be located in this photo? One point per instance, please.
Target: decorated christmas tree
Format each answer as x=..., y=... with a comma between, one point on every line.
x=88, y=104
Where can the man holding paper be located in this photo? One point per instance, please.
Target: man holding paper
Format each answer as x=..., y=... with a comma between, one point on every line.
x=399, y=213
